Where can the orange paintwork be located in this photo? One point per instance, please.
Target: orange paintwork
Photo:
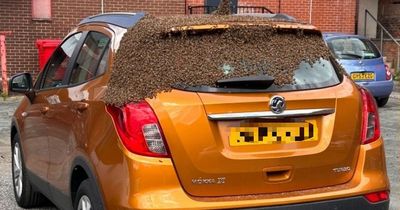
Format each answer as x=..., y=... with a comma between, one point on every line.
x=130, y=181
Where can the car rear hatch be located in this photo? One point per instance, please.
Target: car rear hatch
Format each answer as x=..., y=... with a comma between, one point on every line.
x=365, y=70
x=214, y=140
x=238, y=138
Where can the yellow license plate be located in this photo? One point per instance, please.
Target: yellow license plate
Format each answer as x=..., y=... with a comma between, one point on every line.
x=363, y=76
x=274, y=133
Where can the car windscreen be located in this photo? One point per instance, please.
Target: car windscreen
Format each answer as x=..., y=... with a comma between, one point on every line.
x=352, y=48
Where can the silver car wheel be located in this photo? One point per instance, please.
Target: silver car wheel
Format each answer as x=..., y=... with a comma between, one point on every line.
x=84, y=203
x=18, y=171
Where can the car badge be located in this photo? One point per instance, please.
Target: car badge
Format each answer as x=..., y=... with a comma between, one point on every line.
x=277, y=104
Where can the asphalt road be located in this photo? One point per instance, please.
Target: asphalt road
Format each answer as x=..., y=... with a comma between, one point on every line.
x=390, y=125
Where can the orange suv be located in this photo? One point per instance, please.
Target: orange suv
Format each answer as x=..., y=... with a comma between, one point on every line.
x=315, y=144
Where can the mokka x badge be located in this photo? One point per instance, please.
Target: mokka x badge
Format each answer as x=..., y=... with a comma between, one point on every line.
x=201, y=181
x=341, y=169
x=277, y=104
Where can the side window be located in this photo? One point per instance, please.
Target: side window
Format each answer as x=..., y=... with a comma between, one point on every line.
x=57, y=67
x=103, y=63
x=92, y=58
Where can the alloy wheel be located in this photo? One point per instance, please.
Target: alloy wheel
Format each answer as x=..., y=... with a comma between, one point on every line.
x=84, y=203
x=17, y=170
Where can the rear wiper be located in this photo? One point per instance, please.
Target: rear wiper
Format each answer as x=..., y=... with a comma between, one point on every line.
x=249, y=82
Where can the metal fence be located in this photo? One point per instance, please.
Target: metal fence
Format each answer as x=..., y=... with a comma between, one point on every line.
x=383, y=31
x=237, y=9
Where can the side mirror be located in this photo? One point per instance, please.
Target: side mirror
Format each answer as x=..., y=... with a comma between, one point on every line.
x=22, y=83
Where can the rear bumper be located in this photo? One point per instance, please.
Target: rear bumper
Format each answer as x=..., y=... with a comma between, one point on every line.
x=152, y=183
x=354, y=203
x=379, y=89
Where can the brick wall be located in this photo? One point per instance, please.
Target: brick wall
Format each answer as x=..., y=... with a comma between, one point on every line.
x=389, y=16
x=390, y=50
x=15, y=16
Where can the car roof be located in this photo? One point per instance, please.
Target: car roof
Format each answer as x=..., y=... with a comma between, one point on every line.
x=329, y=35
x=121, y=19
x=274, y=16
x=128, y=20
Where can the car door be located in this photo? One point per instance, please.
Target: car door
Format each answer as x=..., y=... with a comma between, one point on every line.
x=84, y=83
x=40, y=113
x=33, y=133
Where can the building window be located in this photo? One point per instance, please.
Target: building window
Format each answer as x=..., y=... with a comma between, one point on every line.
x=41, y=9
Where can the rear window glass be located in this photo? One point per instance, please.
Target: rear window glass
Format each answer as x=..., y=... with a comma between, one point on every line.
x=351, y=48
x=308, y=74
x=218, y=54
x=319, y=74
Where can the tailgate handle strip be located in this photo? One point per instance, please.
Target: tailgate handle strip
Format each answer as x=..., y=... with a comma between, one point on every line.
x=271, y=115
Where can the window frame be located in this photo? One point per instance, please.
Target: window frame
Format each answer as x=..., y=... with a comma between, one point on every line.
x=70, y=71
x=35, y=5
x=37, y=84
x=70, y=65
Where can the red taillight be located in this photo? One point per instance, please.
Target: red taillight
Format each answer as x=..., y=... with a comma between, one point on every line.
x=139, y=130
x=388, y=73
x=377, y=196
x=370, y=130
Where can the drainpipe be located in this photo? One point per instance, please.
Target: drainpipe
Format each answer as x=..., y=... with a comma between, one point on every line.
x=310, y=15
x=3, y=62
x=279, y=8
x=357, y=16
x=102, y=6
x=185, y=7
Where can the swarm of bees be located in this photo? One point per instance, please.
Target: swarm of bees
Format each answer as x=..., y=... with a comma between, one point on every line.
x=160, y=53
x=224, y=8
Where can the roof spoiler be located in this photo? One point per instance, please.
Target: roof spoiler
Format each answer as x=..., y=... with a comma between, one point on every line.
x=287, y=26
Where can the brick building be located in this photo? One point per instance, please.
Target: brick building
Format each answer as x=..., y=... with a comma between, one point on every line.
x=389, y=16
x=30, y=20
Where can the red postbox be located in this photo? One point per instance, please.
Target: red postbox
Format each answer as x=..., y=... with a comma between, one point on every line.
x=46, y=48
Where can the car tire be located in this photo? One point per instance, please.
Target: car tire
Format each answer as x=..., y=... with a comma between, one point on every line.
x=87, y=197
x=25, y=195
x=382, y=101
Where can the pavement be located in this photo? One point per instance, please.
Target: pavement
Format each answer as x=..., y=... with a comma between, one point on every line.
x=7, y=108
x=396, y=90
x=7, y=200
x=390, y=126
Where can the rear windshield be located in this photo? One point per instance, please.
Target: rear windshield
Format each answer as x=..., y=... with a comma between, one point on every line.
x=352, y=48
x=320, y=74
x=218, y=54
